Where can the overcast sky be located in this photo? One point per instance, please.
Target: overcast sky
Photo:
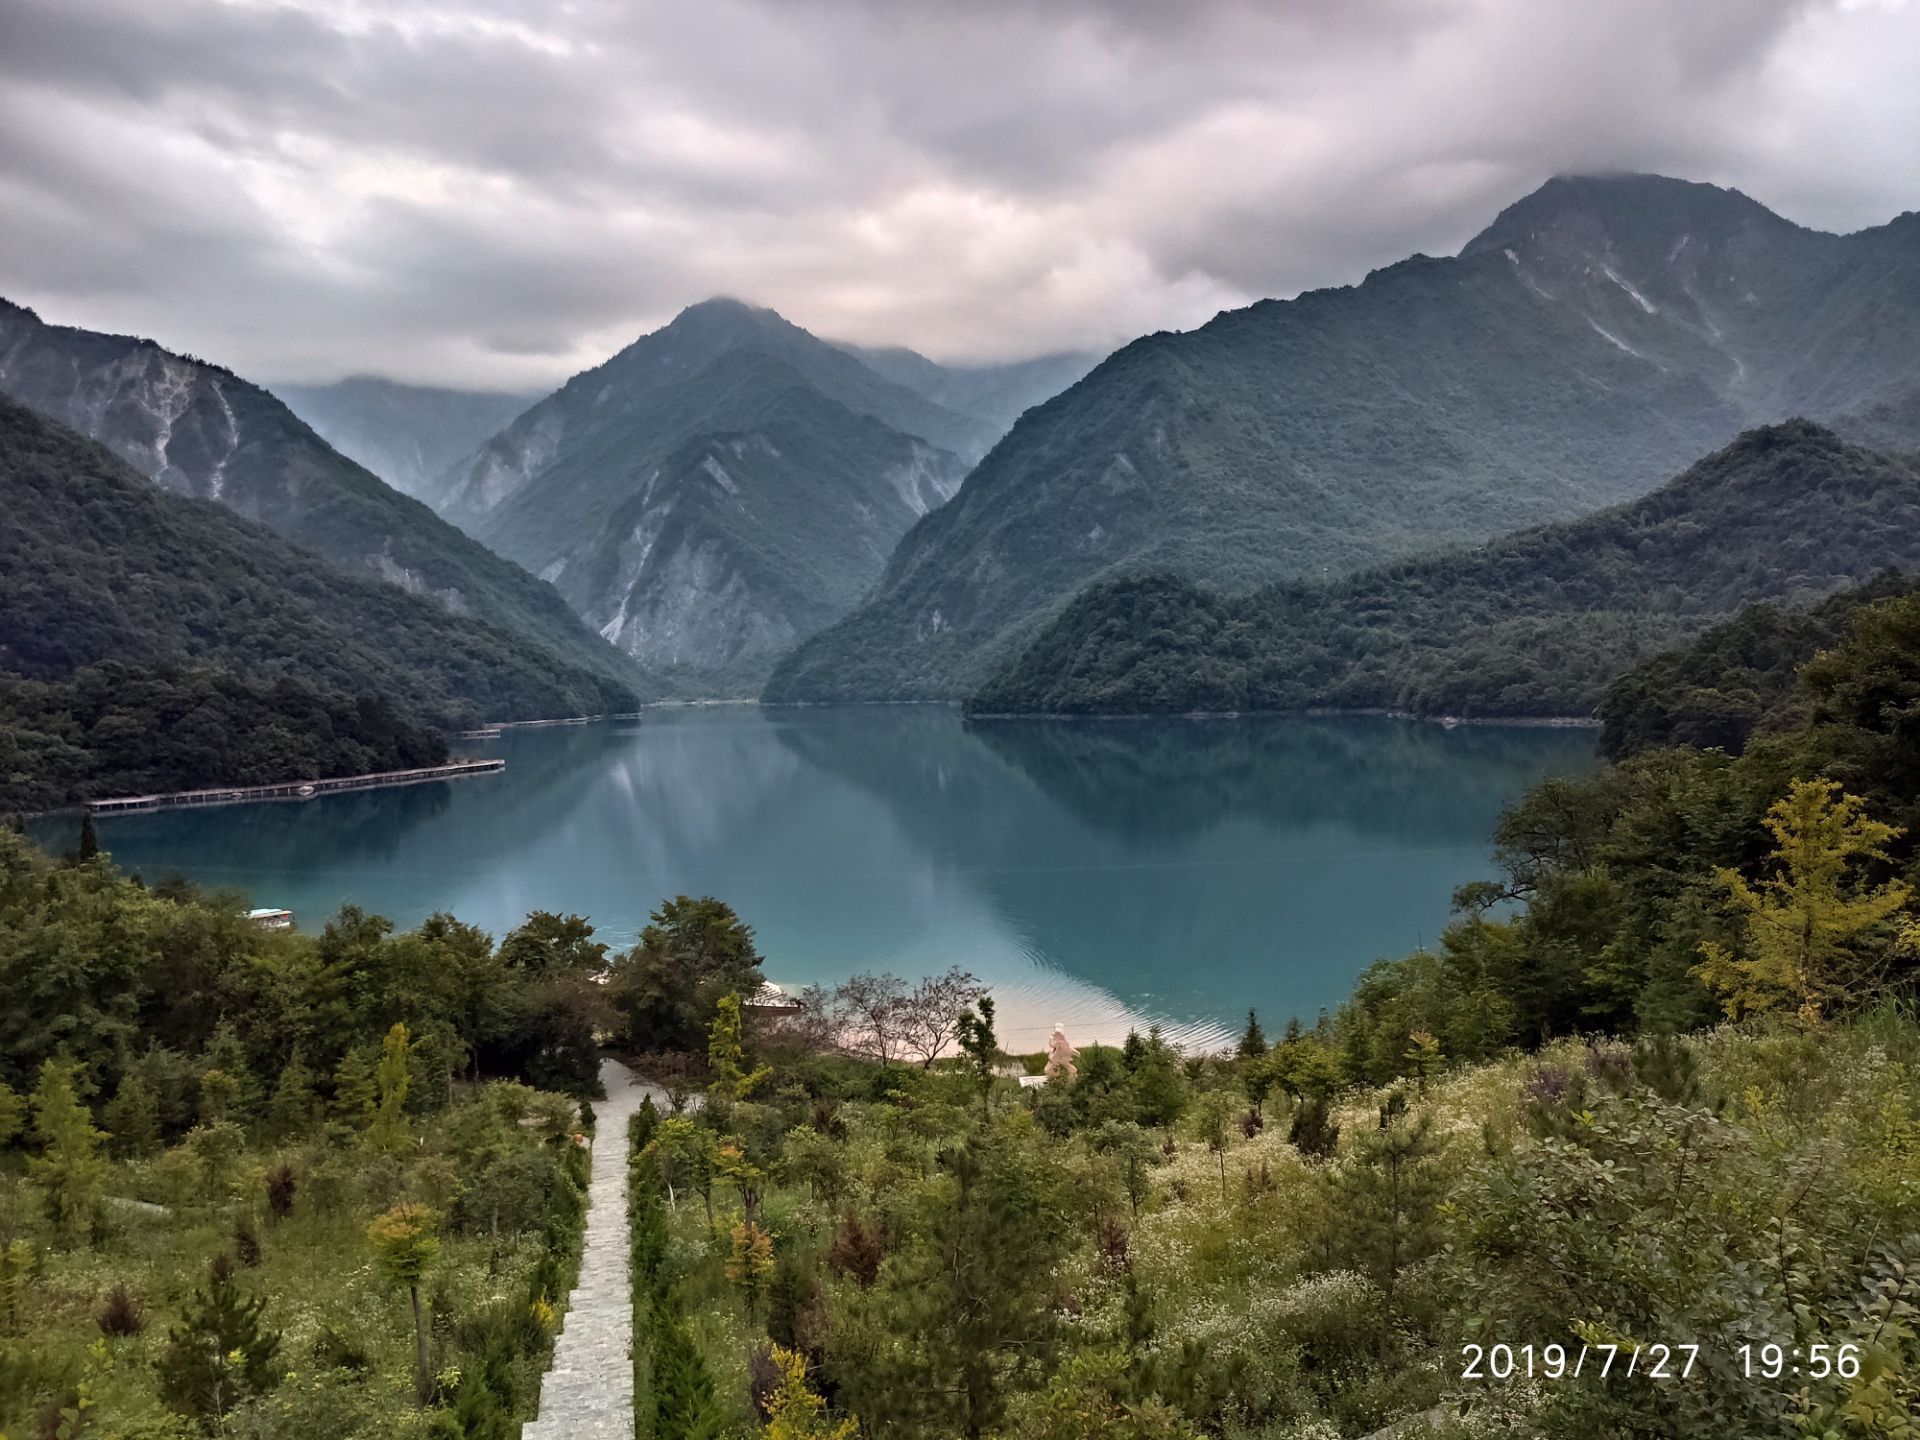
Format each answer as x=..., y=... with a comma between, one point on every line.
x=502, y=192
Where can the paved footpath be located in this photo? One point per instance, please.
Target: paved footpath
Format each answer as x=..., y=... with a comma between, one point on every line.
x=588, y=1394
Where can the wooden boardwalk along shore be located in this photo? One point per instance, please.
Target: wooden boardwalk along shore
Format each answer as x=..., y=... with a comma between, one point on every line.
x=292, y=789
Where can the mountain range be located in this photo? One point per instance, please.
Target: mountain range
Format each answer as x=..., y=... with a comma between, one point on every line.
x=1535, y=624
x=727, y=485
x=406, y=434
x=200, y=431
x=1596, y=338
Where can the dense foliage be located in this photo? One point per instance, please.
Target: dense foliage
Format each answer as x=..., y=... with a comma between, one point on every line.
x=1537, y=623
x=1716, y=690
x=201, y=431
x=263, y=1184
x=116, y=729
x=1574, y=355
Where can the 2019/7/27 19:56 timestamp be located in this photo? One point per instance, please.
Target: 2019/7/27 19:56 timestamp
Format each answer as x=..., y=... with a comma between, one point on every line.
x=1653, y=1362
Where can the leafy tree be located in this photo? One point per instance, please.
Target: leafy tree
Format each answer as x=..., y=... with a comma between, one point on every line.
x=1214, y=1114
x=1253, y=1040
x=356, y=1095
x=727, y=1053
x=683, y=1396
x=1385, y=1197
x=749, y=1264
x=391, y=1078
x=693, y=952
x=981, y=1049
x=70, y=1171
x=133, y=1118
x=1136, y=1154
x=13, y=1112
x=969, y=1296
x=405, y=1248
x=1804, y=924
x=795, y=1412
x=17, y=1264
x=226, y=1056
x=1159, y=1092
x=687, y=1155
x=89, y=846
x=221, y=1351
x=294, y=1103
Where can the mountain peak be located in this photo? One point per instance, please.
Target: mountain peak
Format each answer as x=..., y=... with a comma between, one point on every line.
x=727, y=313
x=1624, y=211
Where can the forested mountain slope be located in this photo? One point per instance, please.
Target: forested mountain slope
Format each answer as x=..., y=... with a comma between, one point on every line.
x=203, y=432
x=149, y=641
x=406, y=434
x=997, y=394
x=742, y=542
x=716, y=492
x=1536, y=624
x=1736, y=678
x=1597, y=337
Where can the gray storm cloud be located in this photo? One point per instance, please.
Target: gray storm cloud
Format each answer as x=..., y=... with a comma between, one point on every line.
x=487, y=192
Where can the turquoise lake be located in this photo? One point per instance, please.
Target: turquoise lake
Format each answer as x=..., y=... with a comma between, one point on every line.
x=1099, y=874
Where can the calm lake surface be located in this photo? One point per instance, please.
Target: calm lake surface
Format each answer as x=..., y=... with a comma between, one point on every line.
x=1094, y=873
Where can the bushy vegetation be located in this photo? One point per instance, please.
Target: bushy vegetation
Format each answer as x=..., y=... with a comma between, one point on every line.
x=1267, y=1245
x=263, y=1184
x=1536, y=624
x=1659, y=1085
x=1733, y=679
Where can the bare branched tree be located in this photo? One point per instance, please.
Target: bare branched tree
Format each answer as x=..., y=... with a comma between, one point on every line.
x=870, y=1010
x=929, y=1014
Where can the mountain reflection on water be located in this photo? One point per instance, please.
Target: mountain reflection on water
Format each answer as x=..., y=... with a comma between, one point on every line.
x=1098, y=873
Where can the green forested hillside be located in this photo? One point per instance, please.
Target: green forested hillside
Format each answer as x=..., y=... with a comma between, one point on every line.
x=1536, y=624
x=1596, y=338
x=1732, y=679
x=201, y=431
x=99, y=567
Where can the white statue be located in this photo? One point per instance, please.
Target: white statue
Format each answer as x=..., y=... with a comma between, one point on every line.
x=1060, y=1053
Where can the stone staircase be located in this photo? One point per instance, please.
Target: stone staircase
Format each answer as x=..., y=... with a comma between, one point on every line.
x=588, y=1394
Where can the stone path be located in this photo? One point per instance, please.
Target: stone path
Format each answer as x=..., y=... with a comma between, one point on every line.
x=588, y=1394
